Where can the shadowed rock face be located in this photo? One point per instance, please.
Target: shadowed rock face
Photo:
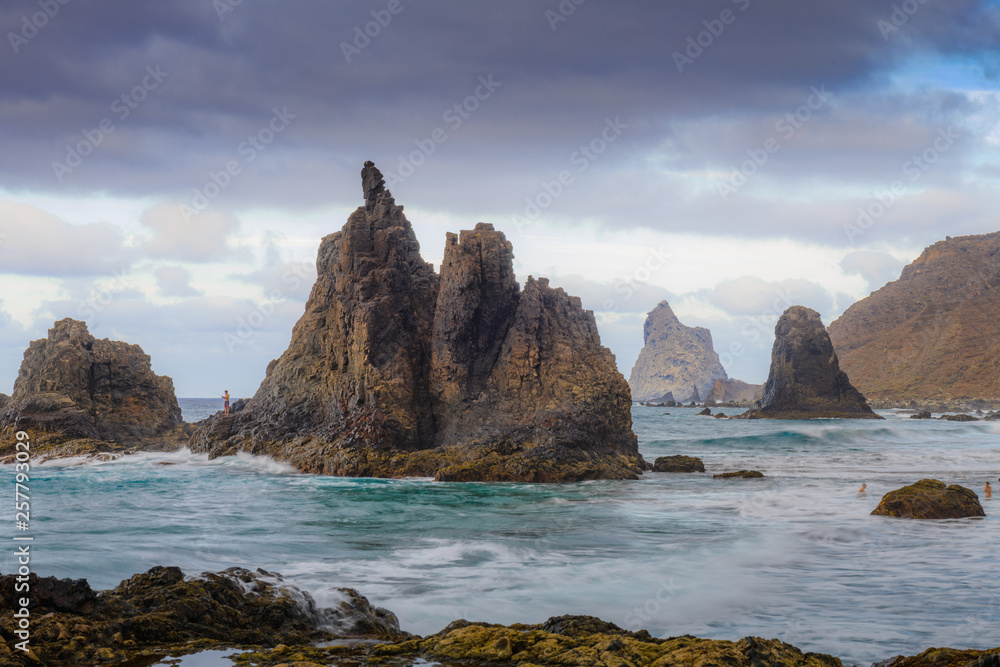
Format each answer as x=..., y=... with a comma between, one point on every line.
x=674, y=358
x=75, y=386
x=805, y=381
x=930, y=499
x=395, y=371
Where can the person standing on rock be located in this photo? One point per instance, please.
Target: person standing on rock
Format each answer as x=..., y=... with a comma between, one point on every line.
x=225, y=397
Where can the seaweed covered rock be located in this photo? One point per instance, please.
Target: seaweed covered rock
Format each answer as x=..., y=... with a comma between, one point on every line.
x=395, y=371
x=930, y=499
x=744, y=474
x=678, y=463
x=81, y=395
x=72, y=625
x=805, y=380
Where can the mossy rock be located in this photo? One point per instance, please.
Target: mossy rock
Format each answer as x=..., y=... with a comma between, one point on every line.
x=930, y=499
x=678, y=463
x=746, y=474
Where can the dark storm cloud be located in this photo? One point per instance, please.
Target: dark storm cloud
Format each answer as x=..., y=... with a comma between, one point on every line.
x=220, y=79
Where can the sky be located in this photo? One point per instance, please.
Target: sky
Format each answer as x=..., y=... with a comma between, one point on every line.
x=168, y=169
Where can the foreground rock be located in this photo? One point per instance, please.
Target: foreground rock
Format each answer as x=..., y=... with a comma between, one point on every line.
x=946, y=657
x=75, y=394
x=394, y=371
x=930, y=499
x=674, y=358
x=161, y=612
x=678, y=463
x=805, y=381
x=934, y=334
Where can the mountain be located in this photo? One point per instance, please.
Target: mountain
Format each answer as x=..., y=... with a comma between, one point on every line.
x=933, y=334
x=394, y=370
x=674, y=358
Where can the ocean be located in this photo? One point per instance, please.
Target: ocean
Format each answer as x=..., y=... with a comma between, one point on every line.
x=794, y=556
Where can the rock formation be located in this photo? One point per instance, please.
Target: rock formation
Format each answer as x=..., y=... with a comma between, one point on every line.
x=72, y=386
x=930, y=499
x=734, y=391
x=744, y=474
x=395, y=371
x=674, y=358
x=805, y=381
x=934, y=334
x=678, y=463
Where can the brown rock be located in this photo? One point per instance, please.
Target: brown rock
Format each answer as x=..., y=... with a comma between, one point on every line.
x=934, y=333
x=73, y=386
x=805, y=381
x=678, y=463
x=930, y=499
x=746, y=474
x=674, y=358
x=734, y=391
x=393, y=371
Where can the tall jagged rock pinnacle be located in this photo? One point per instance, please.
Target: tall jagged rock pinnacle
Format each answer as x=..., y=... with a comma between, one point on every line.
x=395, y=371
x=74, y=386
x=674, y=358
x=805, y=381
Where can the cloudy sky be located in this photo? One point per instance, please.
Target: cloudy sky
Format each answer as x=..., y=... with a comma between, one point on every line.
x=168, y=169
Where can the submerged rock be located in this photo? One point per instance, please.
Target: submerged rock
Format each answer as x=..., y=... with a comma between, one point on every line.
x=746, y=474
x=923, y=414
x=930, y=499
x=805, y=381
x=79, y=394
x=678, y=463
x=395, y=371
x=675, y=359
x=959, y=418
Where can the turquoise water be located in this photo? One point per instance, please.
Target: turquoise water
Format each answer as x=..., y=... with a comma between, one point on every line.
x=794, y=556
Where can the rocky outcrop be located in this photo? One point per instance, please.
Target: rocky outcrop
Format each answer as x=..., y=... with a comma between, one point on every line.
x=930, y=499
x=674, y=358
x=734, y=391
x=678, y=463
x=73, y=625
x=805, y=381
x=934, y=334
x=396, y=371
x=744, y=474
x=79, y=393
x=946, y=657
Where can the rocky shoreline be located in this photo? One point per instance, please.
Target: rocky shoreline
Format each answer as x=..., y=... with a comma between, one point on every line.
x=259, y=619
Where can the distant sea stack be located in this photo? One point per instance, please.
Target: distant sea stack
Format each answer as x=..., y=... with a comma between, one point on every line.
x=395, y=371
x=674, y=358
x=74, y=387
x=805, y=381
x=934, y=334
x=734, y=391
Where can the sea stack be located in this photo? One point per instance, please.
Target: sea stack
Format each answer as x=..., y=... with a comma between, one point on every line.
x=805, y=381
x=72, y=386
x=932, y=335
x=674, y=358
x=395, y=371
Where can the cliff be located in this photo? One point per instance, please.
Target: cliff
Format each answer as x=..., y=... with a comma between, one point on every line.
x=74, y=387
x=934, y=334
x=395, y=371
x=674, y=358
x=805, y=380
x=734, y=391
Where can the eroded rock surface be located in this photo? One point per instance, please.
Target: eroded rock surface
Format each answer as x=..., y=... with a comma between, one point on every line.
x=678, y=463
x=395, y=371
x=674, y=358
x=930, y=499
x=805, y=380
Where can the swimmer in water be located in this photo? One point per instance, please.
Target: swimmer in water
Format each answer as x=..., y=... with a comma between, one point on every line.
x=988, y=491
x=865, y=486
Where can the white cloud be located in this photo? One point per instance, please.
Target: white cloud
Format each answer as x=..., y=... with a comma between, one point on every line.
x=204, y=237
x=174, y=281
